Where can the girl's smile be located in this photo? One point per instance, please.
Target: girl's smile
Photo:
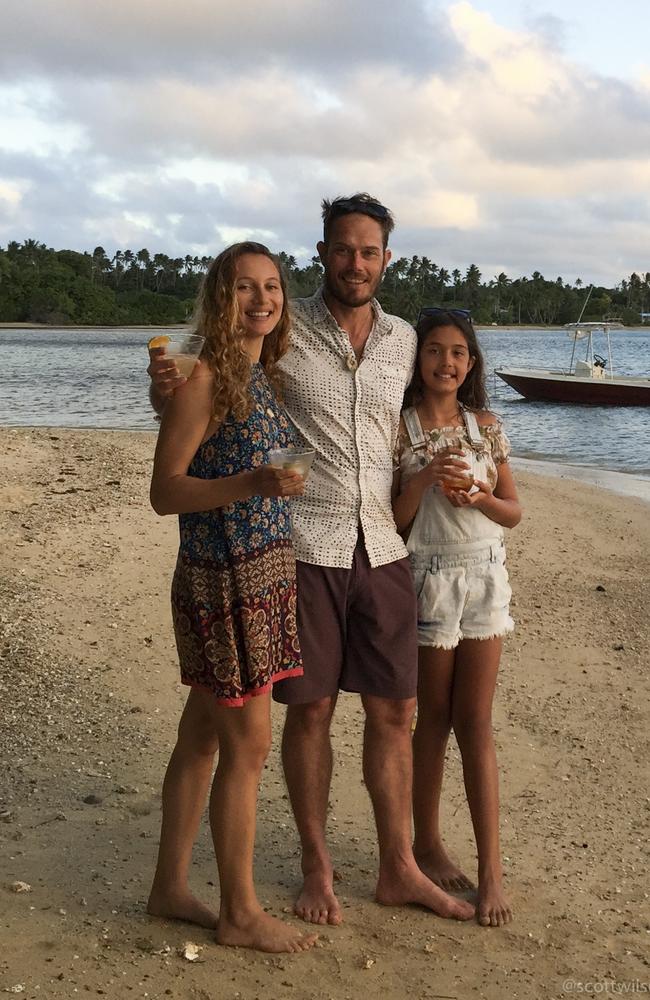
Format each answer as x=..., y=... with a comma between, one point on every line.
x=444, y=360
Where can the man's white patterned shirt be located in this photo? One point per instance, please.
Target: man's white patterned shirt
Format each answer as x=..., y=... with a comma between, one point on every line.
x=348, y=412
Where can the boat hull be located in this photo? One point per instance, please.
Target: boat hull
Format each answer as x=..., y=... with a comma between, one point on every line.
x=559, y=388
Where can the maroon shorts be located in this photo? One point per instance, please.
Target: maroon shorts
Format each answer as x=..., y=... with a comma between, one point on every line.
x=357, y=629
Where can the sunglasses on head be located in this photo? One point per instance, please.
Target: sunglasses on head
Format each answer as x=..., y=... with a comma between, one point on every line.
x=441, y=311
x=348, y=205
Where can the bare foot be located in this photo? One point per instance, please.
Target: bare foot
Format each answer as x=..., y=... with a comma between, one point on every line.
x=493, y=909
x=317, y=902
x=438, y=866
x=410, y=885
x=181, y=906
x=264, y=933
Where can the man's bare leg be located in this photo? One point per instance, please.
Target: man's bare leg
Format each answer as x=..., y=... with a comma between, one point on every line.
x=388, y=772
x=184, y=794
x=307, y=758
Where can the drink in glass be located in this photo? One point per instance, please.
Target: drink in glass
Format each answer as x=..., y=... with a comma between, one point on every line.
x=182, y=348
x=296, y=459
x=458, y=480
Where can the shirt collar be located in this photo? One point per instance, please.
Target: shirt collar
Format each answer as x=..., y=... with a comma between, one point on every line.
x=321, y=312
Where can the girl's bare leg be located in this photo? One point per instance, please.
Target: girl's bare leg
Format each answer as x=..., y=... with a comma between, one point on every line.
x=435, y=685
x=477, y=664
x=184, y=794
x=244, y=742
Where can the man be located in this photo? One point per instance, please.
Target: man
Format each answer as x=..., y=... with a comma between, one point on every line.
x=344, y=380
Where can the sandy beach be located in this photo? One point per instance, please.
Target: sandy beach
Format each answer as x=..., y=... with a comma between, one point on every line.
x=90, y=698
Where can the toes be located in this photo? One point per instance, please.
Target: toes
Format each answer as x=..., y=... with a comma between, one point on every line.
x=305, y=943
x=465, y=912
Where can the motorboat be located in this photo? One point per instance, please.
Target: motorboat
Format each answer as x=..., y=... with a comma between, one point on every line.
x=591, y=380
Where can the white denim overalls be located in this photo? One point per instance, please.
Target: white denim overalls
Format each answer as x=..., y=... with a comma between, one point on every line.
x=457, y=553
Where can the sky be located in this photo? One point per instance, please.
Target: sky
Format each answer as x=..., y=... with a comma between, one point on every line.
x=511, y=134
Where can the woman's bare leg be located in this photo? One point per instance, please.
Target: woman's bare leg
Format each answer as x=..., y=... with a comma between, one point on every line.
x=244, y=742
x=477, y=664
x=184, y=794
x=435, y=685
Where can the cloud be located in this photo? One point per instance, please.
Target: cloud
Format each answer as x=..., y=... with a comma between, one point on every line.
x=203, y=38
x=174, y=128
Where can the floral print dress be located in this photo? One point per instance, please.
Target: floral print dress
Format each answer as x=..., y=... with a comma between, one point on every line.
x=234, y=588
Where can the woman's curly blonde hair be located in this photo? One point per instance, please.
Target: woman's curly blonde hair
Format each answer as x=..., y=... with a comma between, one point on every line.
x=217, y=319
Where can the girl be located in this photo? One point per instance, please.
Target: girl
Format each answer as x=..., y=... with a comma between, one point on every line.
x=233, y=593
x=453, y=494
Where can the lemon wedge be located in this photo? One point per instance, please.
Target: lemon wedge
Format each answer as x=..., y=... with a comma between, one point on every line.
x=158, y=342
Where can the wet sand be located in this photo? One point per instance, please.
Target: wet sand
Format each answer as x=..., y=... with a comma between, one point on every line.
x=89, y=703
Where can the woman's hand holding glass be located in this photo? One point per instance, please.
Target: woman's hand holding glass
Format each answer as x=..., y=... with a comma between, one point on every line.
x=164, y=372
x=270, y=481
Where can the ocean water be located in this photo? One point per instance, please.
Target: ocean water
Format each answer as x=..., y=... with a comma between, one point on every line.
x=97, y=378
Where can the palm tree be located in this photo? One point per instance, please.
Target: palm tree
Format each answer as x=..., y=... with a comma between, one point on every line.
x=117, y=262
x=99, y=264
x=472, y=285
x=160, y=264
x=143, y=258
x=32, y=251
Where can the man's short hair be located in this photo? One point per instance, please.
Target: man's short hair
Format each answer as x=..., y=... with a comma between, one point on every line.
x=362, y=204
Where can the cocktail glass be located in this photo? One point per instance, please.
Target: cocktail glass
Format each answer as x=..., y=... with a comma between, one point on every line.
x=460, y=479
x=181, y=348
x=296, y=459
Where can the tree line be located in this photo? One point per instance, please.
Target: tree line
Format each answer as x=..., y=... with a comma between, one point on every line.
x=58, y=287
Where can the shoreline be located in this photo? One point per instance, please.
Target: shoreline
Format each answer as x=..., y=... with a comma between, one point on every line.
x=629, y=484
x=480, y=328
x=96, y=326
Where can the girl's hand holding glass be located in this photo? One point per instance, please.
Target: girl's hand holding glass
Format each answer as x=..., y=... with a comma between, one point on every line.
x=463, y=498
x=444, y=466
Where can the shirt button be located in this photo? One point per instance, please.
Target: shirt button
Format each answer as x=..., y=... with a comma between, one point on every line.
x=351, y=362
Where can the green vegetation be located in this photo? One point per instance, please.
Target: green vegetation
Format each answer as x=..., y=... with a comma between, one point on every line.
x=40, y=285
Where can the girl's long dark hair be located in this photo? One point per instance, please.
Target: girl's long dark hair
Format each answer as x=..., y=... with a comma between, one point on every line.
x=472, y=393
